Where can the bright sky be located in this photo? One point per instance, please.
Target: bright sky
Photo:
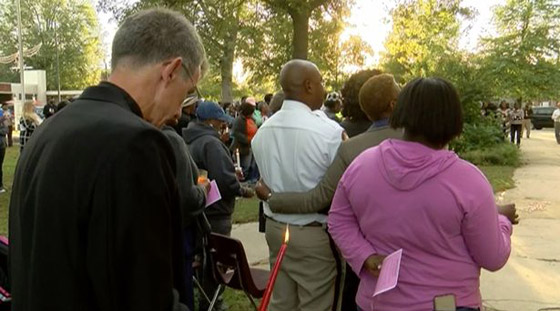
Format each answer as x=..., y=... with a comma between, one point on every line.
x=369, y=19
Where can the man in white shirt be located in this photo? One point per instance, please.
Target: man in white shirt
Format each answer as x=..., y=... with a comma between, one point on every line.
x=293, y=149
x=556, y=118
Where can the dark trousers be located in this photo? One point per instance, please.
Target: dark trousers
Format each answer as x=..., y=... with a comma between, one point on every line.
x=557, y=131
x=516, y=130
x=10, y=140
x=189, y=246
x=250, y=170
x=350, y=289
x=221, y=225
x=2, y=154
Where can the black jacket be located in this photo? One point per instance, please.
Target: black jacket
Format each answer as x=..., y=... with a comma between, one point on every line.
x=240, y=139
x=183, y=122
x=94, y=214
x=210, y=154
x=192, y=196
x=49, y=110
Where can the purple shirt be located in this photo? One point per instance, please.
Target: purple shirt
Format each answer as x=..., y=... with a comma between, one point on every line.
x=438, y=208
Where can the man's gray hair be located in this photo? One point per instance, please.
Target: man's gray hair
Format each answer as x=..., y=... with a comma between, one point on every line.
x=156, y=35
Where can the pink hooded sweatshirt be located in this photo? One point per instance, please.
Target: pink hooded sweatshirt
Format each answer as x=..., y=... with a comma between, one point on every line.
x=438, y=208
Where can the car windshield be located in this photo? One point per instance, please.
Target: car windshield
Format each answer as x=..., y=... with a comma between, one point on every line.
x=543, y=110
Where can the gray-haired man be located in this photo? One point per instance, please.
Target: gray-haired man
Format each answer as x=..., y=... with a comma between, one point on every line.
x=94, y=217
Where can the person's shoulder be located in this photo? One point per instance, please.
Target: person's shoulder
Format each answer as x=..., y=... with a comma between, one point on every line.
x=172, y=135
x=318, y=123
x=468, y=171
x=355, y=145
x=103, y=122
x=324, y=118
x=105, y=113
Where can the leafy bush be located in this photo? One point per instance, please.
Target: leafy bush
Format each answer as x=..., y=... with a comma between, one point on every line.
x=481, y=134
x=505, y=154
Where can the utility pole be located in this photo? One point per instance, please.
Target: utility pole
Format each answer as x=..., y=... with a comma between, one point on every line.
x=57, y=60
x=18, y=105
x=21, y=65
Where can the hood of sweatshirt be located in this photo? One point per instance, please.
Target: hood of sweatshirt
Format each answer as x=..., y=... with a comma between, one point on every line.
x=198, y=129
x=406, y=165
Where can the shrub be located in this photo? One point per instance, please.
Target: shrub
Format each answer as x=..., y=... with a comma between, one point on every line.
x=483, y=134
x=505, y=154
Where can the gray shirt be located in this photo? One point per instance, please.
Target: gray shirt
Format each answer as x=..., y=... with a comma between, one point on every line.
x=516, y=116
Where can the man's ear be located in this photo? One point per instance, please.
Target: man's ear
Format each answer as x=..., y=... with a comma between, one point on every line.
x=308, y=86
x=392, y=105
x=171, y=69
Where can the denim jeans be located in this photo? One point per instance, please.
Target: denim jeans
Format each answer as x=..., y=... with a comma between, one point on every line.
x=2, y=154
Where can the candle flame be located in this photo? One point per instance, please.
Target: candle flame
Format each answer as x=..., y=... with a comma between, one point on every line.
x=287, y=234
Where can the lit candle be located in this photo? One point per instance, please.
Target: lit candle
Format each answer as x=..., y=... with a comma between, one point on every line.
x=272, y=279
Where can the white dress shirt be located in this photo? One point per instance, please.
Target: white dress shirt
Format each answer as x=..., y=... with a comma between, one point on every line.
x=556, y=115
x=293, y=149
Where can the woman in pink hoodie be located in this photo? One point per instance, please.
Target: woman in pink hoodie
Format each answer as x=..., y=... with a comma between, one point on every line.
x=415, y=195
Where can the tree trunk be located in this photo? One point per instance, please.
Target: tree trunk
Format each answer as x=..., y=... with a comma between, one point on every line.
x=300, y=19
x=226, y=64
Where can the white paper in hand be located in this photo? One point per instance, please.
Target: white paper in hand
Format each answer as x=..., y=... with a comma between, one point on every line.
x=389, y=275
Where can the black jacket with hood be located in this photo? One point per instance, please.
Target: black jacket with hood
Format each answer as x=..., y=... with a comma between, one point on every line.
x=211, y=154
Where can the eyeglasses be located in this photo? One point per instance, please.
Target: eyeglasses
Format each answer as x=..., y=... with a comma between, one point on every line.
x=190, y=78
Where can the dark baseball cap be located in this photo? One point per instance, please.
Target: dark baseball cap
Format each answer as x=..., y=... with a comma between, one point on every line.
x=208, y=110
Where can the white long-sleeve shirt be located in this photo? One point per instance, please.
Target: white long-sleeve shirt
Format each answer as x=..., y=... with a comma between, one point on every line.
x=293, y=149
x=556, y=115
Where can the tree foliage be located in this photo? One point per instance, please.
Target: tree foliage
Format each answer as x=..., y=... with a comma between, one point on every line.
x=260, y=33
x=424, y=33
x=70, y=26
x=270, y=43
x=523, y=60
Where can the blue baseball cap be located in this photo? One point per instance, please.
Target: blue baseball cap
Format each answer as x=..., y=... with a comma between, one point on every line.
x=208, y=110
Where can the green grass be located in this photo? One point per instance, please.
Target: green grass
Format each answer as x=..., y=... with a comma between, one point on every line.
x=237, y=301
x=500, y=177
x=246, y=210
x=10, y=161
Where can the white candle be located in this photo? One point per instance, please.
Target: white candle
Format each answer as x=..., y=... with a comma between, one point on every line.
x=238, y=161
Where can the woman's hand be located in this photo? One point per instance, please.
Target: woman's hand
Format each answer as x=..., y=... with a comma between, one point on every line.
x=510, y=212
x=373, y=264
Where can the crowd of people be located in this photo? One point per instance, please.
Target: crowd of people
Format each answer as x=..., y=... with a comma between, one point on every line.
x=356, y=176
x=515, y=121
x=27, y=124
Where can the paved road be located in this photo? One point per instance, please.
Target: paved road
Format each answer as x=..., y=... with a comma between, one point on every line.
x=531, y=279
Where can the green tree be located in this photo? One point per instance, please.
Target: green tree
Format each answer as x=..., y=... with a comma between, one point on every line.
x=522, y=60
x=219, y=23
x=271, y=44
x=69, y=26
x=261, y=36
x=300, y=12
x=424, y=33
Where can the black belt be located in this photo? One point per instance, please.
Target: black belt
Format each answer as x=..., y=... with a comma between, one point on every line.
x=313, y=224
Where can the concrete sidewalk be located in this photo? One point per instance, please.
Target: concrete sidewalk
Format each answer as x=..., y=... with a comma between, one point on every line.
x=254, y=243
x=530, y=281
